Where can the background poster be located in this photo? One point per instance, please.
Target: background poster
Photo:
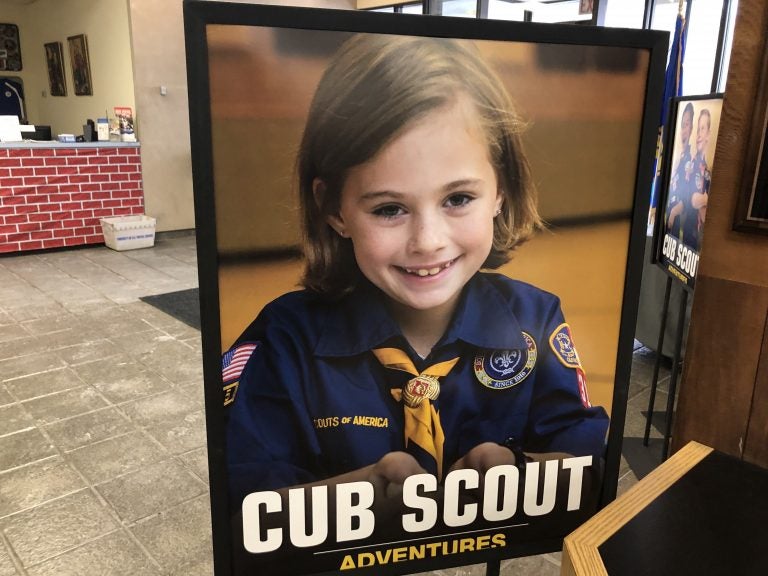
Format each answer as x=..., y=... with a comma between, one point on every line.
x=688, y=173
x=587, y=137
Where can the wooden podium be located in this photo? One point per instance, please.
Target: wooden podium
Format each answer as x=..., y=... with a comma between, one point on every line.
x=701, y=513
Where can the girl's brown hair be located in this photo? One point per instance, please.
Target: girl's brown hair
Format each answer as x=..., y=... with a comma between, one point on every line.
x=374, y=87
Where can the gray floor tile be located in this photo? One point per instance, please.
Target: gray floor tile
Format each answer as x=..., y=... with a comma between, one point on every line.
x=12, y=332
x=60, y=405
x=197, y=461
x=35, y=311
x=5, y=396
x=21, y=347
x=174, y=536
x=54, y=527
x=200, y=565
x=13, y=418
x=120, y=325
x=115, y=554
x=153, y=488
x=81, y=334
x=22, y=448
x=109, y=458
x=88, y=352
x=156, y=410
x=37, y=483
x=6, y=319
x=37, y=385
x=88, y=428
x=121, y=379
x=181, y=434
x=177, y=362
x=140, y=343
x=26, y=365
x=634, y=425
x=49, y=324
x=543, y=565
x=6, y=564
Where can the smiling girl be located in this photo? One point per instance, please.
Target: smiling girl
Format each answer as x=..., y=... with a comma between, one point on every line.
x=399, y=356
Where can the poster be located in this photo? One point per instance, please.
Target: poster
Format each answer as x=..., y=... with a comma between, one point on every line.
x=688, y=174
x=409, y=411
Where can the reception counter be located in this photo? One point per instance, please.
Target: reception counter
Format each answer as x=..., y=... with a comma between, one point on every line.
x=53, y=194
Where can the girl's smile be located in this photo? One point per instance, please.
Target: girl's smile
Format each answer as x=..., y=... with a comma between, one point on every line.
x=420, y=212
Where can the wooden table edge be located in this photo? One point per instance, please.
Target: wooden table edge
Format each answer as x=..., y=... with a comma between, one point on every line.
x=580, y=547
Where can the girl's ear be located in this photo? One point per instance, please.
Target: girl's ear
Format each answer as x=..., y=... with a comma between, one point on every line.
x=499, y=200
x=335, y=221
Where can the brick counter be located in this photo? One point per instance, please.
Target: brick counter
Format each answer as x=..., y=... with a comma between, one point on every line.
x=53, y=194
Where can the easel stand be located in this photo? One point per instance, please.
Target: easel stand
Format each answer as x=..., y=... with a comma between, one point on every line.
x=493, y=568
x=675, y=368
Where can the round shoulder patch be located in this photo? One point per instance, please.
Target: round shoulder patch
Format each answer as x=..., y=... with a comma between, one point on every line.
x=561, y=343
x=502, y=369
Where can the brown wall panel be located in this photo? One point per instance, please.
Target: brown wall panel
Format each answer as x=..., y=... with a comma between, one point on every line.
x=723, y=398
x=724, y=344
x=756, y=448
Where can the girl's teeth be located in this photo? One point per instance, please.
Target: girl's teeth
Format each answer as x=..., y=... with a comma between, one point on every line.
x=425, y=271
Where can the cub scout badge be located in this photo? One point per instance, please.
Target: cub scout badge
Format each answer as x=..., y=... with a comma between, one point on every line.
x=562, y=345
x=232, y=365
x=502, y=369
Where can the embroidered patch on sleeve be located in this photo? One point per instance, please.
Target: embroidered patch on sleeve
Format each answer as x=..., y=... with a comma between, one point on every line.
x=561, y=343
x=232, y=364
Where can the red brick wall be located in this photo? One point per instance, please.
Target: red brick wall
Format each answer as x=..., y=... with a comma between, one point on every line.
x=54, y=197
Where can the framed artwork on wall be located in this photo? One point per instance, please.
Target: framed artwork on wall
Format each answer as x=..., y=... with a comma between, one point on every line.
x=54, y=58
x=10, y=47
x=81, y=66
x=752, y=208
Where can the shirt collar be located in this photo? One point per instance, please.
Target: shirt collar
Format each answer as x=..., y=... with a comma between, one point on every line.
x=361, y=321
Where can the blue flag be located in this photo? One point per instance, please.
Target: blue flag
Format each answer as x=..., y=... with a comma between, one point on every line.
x=673, y=86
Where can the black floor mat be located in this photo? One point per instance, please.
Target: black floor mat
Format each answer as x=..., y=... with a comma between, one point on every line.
x=183, y=305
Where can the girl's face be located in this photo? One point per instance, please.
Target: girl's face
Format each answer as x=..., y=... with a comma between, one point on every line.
x=420, y=213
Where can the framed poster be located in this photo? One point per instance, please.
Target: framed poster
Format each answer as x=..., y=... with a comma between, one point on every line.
x=690, y=157
x=81, y=66
x=10, y=48
x=386, y=390
x=752, y=208
x=54, y=58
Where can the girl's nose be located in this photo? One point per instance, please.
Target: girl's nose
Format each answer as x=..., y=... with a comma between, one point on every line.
x=428, y=234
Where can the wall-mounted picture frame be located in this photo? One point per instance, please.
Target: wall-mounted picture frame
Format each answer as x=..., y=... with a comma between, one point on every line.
x=54, y=58
x=689, y=158
x=10, y=47
x=752, y=208
x=81, y=66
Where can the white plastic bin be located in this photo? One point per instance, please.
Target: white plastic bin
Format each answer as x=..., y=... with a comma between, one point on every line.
x=129, y=232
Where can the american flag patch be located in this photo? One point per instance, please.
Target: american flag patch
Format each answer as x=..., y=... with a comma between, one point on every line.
x=233, y=362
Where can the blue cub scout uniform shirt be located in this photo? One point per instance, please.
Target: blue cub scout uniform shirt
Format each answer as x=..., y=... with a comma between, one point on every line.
x=313, y=401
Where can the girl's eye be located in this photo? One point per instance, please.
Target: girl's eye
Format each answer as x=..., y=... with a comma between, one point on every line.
x=458, y=200
x=388, y=211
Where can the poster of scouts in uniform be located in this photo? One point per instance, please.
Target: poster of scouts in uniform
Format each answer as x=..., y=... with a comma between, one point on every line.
x=689, y=161
x=409, y=364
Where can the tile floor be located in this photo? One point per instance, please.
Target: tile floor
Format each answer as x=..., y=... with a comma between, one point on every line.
x=103, y=466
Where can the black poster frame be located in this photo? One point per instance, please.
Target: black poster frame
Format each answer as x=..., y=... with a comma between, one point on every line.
x=199, y=14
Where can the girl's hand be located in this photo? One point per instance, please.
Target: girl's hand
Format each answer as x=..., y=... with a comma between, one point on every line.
x=485, y=456
x=389, y=473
